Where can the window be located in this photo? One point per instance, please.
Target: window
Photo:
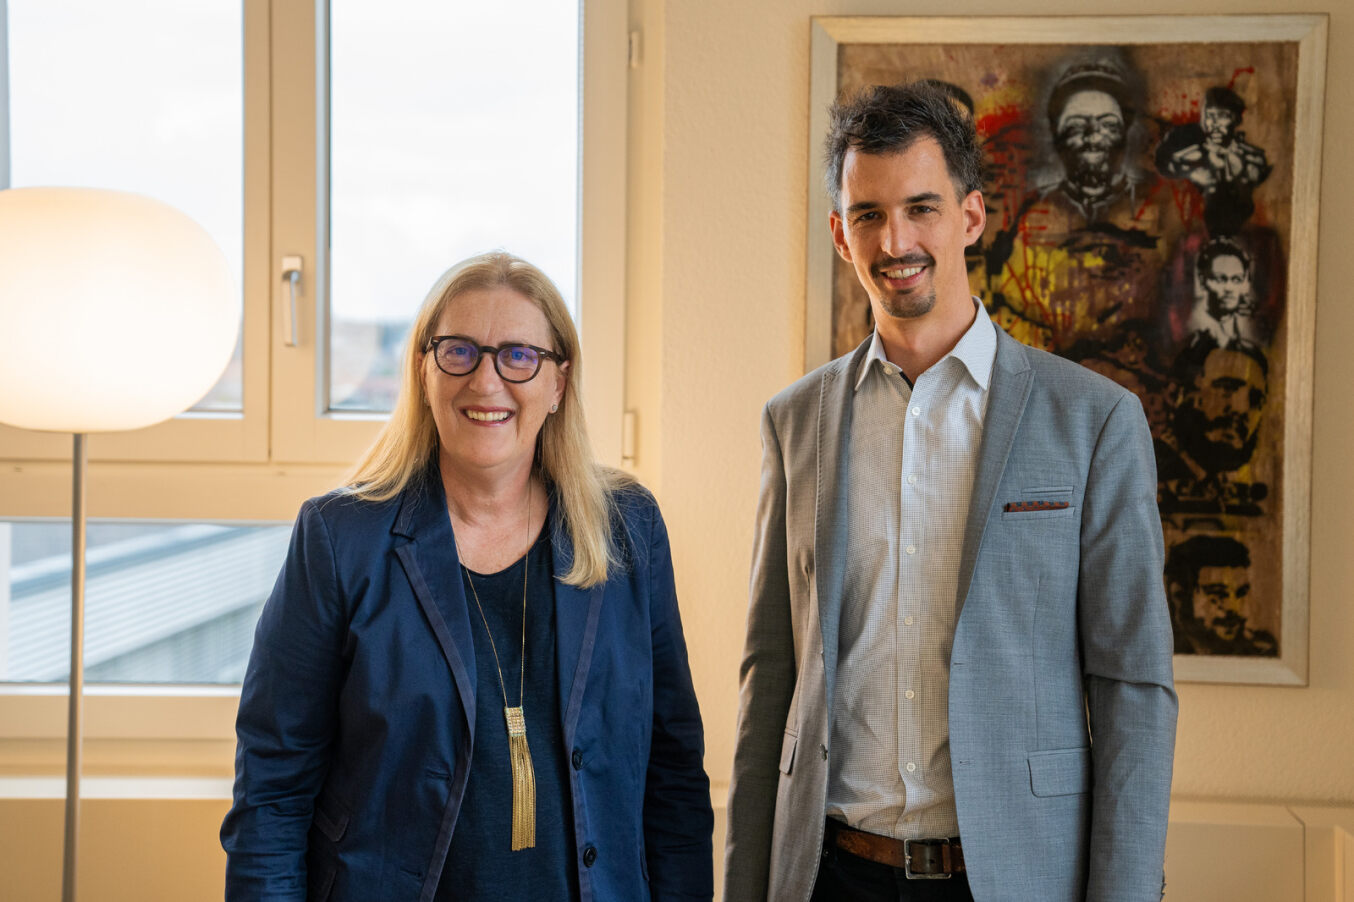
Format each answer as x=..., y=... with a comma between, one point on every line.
x=474, y=111
x=154, y=98
x=164, y=602
x=178, y=138
x=339, y=133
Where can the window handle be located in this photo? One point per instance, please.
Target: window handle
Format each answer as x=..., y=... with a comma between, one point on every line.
x=291, y=274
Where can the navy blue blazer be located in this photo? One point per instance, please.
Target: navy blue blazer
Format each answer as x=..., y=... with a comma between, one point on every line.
x=358, y=711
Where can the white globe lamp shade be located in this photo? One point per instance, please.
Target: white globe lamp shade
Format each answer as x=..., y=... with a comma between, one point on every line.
x=116, y=311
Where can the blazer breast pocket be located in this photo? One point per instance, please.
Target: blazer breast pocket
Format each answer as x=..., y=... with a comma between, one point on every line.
x=1049, y=500
x=1048, y=514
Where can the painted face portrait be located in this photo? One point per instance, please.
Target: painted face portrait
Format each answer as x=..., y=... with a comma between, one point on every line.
x=1090, y=136
x=1227, y=284
x=1219, y=124
x=1221, y=601
x=1218, y=420
x=1208, y=579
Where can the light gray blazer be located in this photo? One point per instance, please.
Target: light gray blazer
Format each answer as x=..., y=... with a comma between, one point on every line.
x=1061, y=709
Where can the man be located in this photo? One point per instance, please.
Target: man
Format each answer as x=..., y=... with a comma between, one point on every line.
x=956, y=572
x=1214, y=154
x=1227, y=308
x=1209, y=581
x=1204, y=457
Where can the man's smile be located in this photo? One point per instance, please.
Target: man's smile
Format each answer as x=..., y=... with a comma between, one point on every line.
x=902, y=274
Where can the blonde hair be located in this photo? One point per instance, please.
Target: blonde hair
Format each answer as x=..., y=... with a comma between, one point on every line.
x=408, y=442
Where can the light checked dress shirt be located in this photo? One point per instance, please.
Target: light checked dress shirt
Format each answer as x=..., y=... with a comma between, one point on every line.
x=912, y=460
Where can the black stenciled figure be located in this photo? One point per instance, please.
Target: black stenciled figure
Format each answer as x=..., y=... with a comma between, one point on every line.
x=1208, y=583
x=1213, y=154
x=1204, y=455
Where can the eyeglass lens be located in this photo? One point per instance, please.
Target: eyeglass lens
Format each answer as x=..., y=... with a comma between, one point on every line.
x=512, y=361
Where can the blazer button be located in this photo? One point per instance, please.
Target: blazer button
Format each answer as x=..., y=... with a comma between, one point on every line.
x=589, y=857
x=577, y=759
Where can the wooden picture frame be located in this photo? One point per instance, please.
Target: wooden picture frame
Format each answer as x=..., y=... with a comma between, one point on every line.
x=1176, y=256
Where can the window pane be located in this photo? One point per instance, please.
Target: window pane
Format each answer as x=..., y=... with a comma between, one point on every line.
x=144, y=97
x=454, y=130
x=164, y=602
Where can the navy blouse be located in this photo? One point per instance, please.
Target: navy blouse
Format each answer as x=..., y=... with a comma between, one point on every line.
x=480, y=863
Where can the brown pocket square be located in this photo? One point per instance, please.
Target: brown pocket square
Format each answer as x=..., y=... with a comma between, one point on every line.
x=1023, y=506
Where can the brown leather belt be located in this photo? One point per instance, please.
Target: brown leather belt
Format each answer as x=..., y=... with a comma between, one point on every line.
x=919, y=859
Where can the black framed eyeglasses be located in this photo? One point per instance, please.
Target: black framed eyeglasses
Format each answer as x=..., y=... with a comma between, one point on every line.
x=457, y=355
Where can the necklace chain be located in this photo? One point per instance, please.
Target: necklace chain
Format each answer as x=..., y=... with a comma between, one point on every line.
x=498, y=666
x=515, y=718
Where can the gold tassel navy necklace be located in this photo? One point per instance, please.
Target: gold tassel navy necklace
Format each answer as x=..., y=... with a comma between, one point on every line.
x=523, y=775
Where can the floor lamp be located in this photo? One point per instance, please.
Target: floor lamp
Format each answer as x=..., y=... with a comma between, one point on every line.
x=116, y=312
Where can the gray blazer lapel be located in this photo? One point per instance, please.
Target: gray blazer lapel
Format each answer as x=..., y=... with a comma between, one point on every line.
x=576, y=615
x=434, y=570
x=831, y=503
x=1012, y=379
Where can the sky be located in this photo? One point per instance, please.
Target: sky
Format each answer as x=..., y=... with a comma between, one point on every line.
x=454, y=127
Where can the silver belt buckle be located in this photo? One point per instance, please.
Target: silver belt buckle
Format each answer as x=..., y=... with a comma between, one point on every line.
x=907, y=859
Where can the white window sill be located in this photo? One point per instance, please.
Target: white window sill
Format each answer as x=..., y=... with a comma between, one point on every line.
x=180, y=788
x=121, y=712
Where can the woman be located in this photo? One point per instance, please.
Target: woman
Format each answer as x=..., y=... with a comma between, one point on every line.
x=470, y=681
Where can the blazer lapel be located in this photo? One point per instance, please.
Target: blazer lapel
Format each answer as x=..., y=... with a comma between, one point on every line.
x=434, y=570
x=831, y=504
x=577, y=612
x=1012, y=379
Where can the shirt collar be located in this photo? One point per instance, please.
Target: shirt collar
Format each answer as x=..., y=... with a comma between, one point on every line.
x=976, y=350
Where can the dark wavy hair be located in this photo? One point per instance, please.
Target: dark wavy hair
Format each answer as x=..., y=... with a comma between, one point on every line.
x=1221, y=247
x=1195, y=553
x=890, y=118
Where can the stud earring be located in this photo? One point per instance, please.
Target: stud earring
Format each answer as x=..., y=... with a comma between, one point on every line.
x=554, y=407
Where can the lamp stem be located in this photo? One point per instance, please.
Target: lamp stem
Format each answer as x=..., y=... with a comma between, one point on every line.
x=75, y=724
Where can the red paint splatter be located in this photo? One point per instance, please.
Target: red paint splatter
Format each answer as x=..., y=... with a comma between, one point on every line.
x=1237, y=73
x=995, y=121
x=1183, y=110
x=1188, y=202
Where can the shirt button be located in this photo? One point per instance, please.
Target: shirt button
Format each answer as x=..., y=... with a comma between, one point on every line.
x=590, y=856
x=907, y=620
x=910, y=768
x=910, y=694
x=912, y=480
x=577, y=759
x=911, y=549
x=916, y=411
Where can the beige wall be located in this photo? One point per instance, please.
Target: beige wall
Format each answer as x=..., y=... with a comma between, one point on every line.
x=719, y=135
x=131, y=849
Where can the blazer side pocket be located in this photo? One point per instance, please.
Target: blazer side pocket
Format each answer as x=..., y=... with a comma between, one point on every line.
x=331, y=819
x=1061, y=772
x=787, y=751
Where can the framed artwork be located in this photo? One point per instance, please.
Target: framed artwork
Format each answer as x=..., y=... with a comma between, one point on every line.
x=1152, y=206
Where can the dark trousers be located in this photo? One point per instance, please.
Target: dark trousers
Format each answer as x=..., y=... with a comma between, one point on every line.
x=842, y=877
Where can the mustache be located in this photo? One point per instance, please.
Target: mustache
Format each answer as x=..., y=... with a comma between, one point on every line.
x=1235, y=422
x=917, y=259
